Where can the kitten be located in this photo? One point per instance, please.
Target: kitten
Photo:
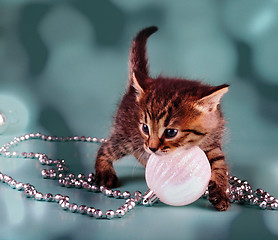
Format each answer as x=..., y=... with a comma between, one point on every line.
x=159, y=115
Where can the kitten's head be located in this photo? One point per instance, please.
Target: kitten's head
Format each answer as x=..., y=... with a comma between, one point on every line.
x=176, y=113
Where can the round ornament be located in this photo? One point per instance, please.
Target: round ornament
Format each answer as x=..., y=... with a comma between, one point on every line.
x=178, y=178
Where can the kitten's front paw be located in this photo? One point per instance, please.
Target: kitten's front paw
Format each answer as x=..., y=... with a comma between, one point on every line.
x=107, y=178
x=218, y=197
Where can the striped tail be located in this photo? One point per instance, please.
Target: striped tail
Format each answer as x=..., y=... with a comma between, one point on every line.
x=138, y=61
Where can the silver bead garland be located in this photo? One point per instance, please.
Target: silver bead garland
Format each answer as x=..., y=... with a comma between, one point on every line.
x=239, y=191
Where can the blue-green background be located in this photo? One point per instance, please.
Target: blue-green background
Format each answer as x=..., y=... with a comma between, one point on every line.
x=63, y=69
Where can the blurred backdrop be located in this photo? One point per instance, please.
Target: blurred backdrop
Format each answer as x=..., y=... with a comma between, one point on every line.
x=63, y=67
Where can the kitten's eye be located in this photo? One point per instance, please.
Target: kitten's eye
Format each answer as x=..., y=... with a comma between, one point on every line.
x=145, y=129
x=170, y=133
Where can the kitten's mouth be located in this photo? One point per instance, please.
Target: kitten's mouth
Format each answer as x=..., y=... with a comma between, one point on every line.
x=158, y=152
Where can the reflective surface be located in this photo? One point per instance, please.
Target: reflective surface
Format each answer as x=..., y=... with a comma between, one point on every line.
x=63, y=68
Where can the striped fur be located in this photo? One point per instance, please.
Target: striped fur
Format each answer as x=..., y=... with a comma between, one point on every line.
x=162, y=114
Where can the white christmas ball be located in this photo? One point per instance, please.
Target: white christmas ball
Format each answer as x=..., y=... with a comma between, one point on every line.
x=178, y=178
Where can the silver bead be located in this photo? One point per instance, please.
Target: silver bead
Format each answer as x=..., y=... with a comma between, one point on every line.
x=7, y=154
x=259, y=191
x=26, y=136
x=81, y=176
x=91, y=175
x=91, y=211
x=52, y=176
x=7, y=179
x=86, y=186
x=29, y=193
x=39, y=196
x=15, y=154
x=71, y=175
x=77, y=184
x=62, y=182
x=233, y=179
x=48, y=161
x=238, y=182
x=88, y=139
x=110, y=214
x=117, y=194
x=131, y=201
x=124, y=208
x=64, y=204
x=2, y=177
x=274, y=205
x=52, y=170
x=62, y=161
x=108, y=192
x=72, y=181
x=241, y=199
x=73, y=207
x=265, y=195
x=95, y=188
x=61, y=175
x=38, y=134
x=56, y=161
x=13, y=183
x=67, y=184
x=205, y=195
x=102, y=188
x=29, y=186
x=126, y=194
x=90, y=180
x=98, y=213
x=254, y=201
x=66, y=198
x=19, y=186
x=58, y=197
x=45, y=173
x=130, y=205
x=31, y=155
x=58, y=165
x=263, y=205
x=120, y=213
x=32, y=135
x=137, y=194
x=42, y=160
x=43, y=137
x=232, y=198
x=270, y=199
x=48, y=197
x=61, y=169
x=82, y=209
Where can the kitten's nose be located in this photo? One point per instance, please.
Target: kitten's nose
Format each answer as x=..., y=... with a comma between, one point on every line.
x=153, y=149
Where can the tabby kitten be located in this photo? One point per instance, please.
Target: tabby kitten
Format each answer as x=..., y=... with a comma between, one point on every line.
x=159, y=115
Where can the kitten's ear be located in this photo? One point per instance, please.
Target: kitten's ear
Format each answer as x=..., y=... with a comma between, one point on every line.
x=210, y=102
x=136, y=84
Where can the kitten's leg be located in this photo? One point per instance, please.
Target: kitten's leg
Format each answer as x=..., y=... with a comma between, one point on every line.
x=219, y=180
x=109, y=152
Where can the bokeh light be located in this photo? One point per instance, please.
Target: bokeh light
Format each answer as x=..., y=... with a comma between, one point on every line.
x=16, y=113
